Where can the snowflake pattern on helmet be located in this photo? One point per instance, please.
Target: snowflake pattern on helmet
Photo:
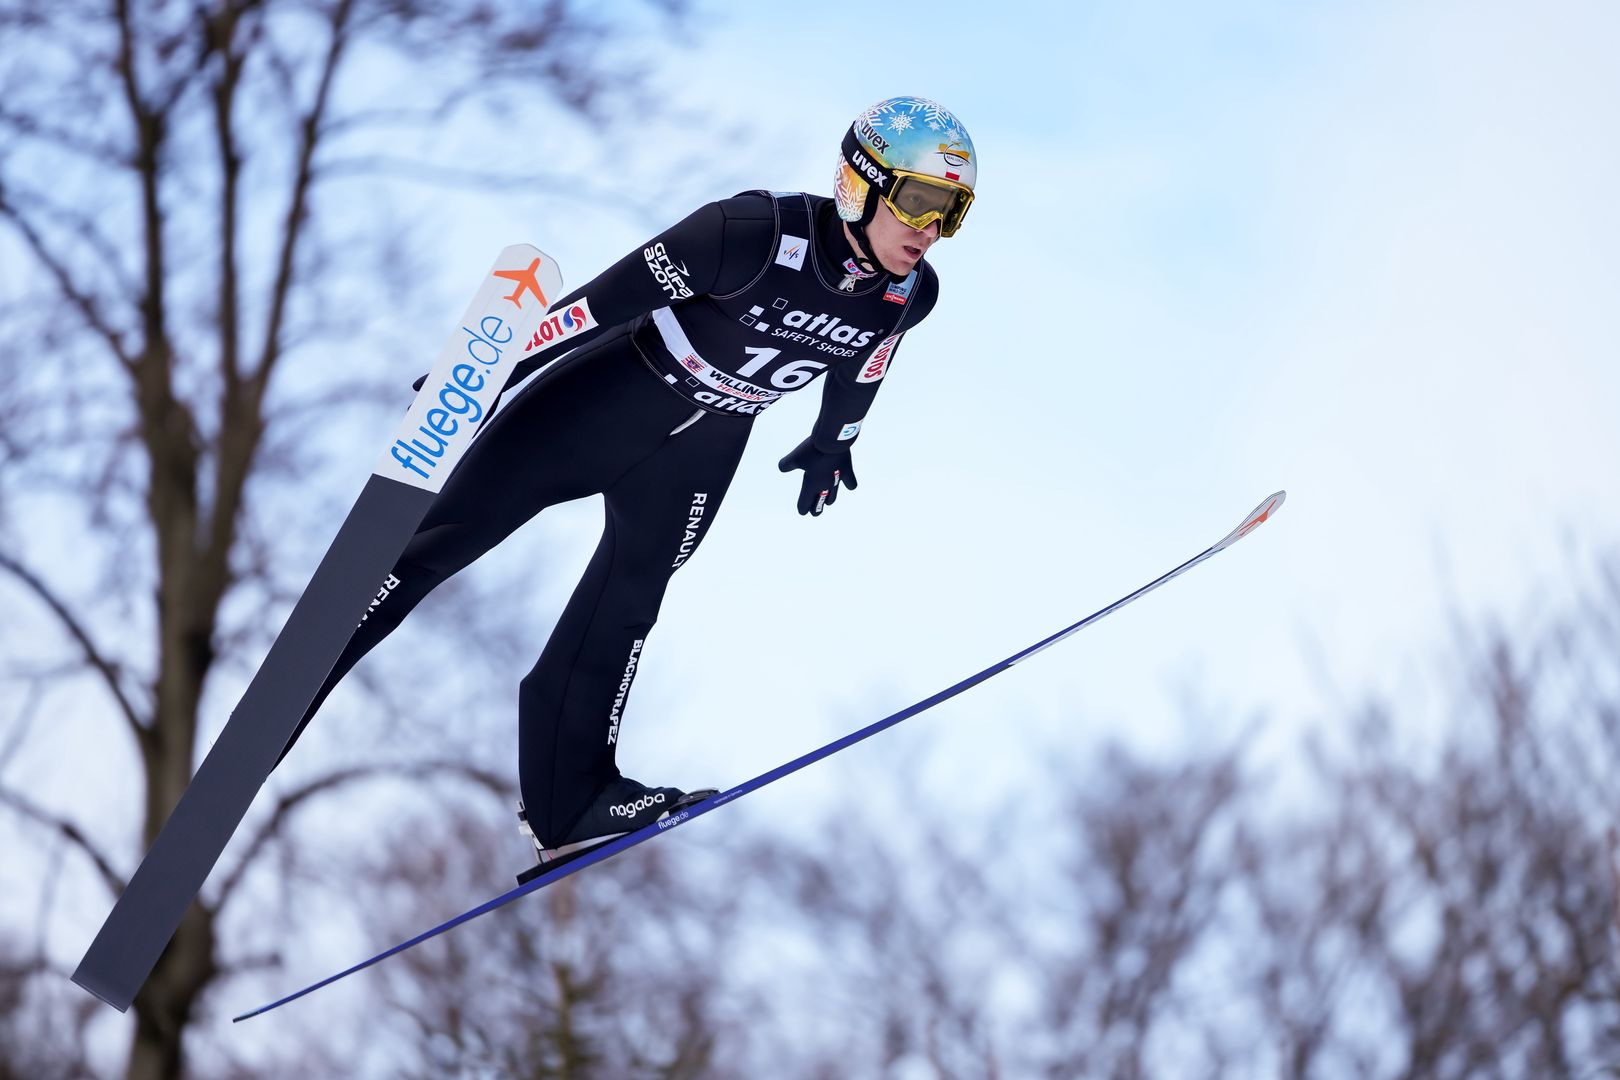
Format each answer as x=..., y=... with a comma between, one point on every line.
x=898, y=115
x=912, y=133
x=849, y=190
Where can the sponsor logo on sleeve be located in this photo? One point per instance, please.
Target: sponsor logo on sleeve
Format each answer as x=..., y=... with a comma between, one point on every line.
x=790, y=252
x=878, y=362
x=670, y=275
x=574, y=319
x=849, y=431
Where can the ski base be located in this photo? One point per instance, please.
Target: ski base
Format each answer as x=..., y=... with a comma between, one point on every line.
x=496, y=329
x=151, y=906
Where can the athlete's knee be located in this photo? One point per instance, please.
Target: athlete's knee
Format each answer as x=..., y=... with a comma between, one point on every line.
x=439, y=551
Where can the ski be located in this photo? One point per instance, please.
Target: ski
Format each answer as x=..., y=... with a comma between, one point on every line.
x=507, y=317
x=1260, y=514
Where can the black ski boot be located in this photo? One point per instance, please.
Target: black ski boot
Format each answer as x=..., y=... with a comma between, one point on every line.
x=623, y=806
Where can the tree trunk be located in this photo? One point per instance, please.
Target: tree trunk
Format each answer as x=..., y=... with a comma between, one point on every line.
x=164, y=1006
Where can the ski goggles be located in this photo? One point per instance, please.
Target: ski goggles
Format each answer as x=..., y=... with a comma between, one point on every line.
x=916, y=198
x=919, y=200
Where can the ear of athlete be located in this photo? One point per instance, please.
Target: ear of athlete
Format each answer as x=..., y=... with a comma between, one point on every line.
x=824, y=474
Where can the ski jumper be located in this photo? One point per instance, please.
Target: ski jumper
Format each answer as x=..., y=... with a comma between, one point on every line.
x=702, y=329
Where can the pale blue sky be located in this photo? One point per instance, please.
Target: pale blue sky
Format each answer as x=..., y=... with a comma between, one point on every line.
x=1363, y=253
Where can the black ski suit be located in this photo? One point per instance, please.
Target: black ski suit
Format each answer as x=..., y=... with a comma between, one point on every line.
x=702, y=329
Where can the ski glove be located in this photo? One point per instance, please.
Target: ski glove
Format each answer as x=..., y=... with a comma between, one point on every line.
x=823, y=473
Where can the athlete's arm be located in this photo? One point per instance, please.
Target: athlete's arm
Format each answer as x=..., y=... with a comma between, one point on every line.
x=850, y=386
x=718, y=247
x=846, y=397
x=679, y=263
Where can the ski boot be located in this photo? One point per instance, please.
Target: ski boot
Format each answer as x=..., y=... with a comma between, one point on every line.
x=623, y=806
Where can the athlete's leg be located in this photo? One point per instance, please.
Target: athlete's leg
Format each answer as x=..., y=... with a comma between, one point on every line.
x=571, y=704
x=573, y=431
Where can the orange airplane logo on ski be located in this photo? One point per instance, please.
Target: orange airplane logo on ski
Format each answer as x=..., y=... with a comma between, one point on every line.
x=526, y=282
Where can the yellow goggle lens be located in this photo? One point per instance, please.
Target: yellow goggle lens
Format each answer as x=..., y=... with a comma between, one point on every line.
x=919, y=200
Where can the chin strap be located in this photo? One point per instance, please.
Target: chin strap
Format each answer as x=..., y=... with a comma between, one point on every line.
x=877, y=179
x=857, y=229
x=859, y=266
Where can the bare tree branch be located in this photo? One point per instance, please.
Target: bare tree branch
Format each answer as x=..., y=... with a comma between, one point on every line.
x=87, y=228
x=110, y=674
x=290, y=802
x=293, y=230
x=27, y=711
x=28, y=125
x=222, y=33
x=83, y=301
x=69, y=831
x=1614, y=871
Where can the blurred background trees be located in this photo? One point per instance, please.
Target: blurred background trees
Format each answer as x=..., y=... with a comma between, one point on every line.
x=187, y=274
x=1385, y=906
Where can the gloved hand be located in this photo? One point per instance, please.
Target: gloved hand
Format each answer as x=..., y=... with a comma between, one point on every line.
x=823, y=473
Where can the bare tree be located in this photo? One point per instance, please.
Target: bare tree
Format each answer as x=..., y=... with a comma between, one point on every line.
x=1415, y=897
x=1048, y=937
x=1449, y=908
x=590, y=978
x=183, y=284
x=1150, y=864
x=887, y=948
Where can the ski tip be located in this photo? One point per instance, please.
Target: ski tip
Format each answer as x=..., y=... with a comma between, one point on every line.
x=1271, y=505
x=1264, y=512
x=525, y=269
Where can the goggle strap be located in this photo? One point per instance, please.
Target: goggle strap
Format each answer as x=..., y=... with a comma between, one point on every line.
x=882, y=179
x=868, y=168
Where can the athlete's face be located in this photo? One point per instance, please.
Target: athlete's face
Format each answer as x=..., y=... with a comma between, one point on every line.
x=895, y=245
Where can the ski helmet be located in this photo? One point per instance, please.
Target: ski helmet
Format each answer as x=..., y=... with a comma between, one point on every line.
x=918, y=158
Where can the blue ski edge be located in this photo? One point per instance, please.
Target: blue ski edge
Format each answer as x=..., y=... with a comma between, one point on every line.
x=573, y=866
x=643, y=834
